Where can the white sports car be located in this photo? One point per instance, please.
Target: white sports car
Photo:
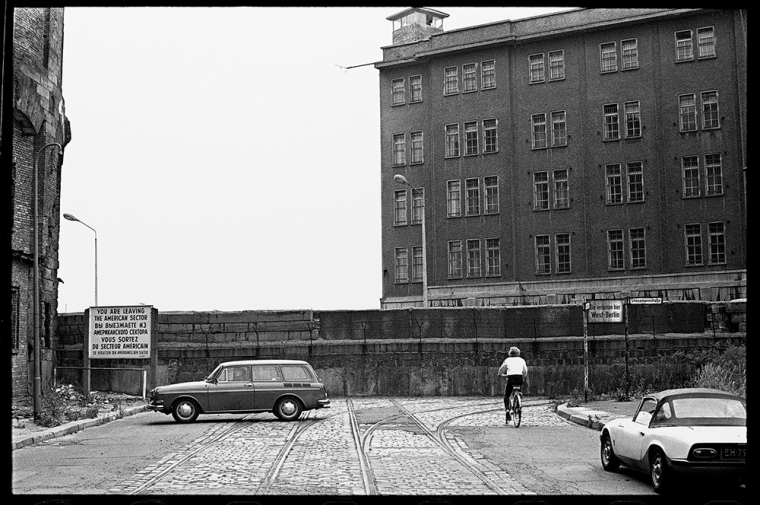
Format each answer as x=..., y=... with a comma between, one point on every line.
x=692, y=431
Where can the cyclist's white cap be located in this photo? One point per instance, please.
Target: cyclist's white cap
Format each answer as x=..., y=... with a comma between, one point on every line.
x=514, y=351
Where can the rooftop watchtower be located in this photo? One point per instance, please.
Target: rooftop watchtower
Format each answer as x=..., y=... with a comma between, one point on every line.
x=415, y=24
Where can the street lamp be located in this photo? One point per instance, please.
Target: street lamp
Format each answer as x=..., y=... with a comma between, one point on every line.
x=402, y=180
x=37, y=383
x=72, y=218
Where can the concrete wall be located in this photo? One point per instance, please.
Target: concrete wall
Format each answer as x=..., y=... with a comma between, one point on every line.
x=419, y=351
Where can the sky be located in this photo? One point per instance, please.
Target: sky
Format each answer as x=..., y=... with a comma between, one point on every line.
x=225, y=157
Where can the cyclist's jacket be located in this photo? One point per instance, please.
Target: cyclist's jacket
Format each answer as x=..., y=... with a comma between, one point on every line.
x=514, y=365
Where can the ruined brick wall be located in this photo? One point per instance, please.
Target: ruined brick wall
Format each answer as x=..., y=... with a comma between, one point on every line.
x=39, y=119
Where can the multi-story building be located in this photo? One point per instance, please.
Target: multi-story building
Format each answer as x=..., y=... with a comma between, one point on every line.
x=39, y=123
x=591, y=153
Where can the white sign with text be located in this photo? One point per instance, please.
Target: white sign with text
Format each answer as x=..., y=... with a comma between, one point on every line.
x=120, y=332
x=605, y=311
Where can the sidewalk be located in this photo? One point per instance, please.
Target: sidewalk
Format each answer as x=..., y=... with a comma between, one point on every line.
x=32, y=434
x=595, y=414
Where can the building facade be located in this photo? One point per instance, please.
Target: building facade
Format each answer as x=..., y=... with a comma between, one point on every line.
x=585, y=154
x=39, y=122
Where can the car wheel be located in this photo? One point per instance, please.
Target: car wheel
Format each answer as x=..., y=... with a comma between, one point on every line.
x=288, y=409
x=185, y=411
x=610, y=462
x=659, y=472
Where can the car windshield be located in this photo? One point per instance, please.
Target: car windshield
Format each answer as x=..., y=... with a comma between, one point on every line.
x=212, y=374
x=706, y=411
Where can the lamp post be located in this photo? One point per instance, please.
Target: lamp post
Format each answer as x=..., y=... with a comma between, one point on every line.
x=72, y=218
x=402, y=180
x=37, y=383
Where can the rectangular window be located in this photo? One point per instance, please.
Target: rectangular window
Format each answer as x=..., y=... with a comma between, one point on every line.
x=611, y=122
x=402, y=265
x=690, y=166
x=632, y=111
x=473, y=258
x=684, y=46
x=556, y=65
x=561, y=190
x=717, y=233
x=615, y=250
x=713, y=175
x=472, y=197
x=493, y=257
x=562, y=241
x=453, y=199
x=693, y=238
x=536, y=67
x=608, y=54
x=452, y=140
x=451, y=81
x=630, y=53
x=417, y=147
x=490, y=136
x=559, y=128
x=491, y=187
x=538, y=127
x=614, y=185
x=635, y=171
x=417, y=264
x=418, y=205
x=543, y=255
x=469, y=77
x=470, y=138
x=541, y=191
x=710, y=117
x=399, y=149
x=488, y=74
x=706, y=42
x=638, y=245
x=399, y=214
x=399, y=92
x=687, y=112
x=415, y=88
x=455, y=258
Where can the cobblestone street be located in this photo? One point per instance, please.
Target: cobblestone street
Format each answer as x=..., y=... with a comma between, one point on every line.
x=406, y=446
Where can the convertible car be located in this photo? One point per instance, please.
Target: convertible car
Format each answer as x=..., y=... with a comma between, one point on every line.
x=283, y=387
x=680, y=432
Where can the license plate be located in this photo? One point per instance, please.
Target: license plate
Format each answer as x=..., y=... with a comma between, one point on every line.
x=734, y=452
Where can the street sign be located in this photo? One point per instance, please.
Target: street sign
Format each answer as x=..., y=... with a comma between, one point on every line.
x=644, y=301
x=605, y=311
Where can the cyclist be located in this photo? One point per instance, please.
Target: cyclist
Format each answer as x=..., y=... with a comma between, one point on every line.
x=516, y=370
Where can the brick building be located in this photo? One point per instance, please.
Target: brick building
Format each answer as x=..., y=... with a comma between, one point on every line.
x=588, y=153
x=39, y=120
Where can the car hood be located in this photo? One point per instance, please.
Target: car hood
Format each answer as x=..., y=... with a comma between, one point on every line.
x=706, y=434
x=182, y=387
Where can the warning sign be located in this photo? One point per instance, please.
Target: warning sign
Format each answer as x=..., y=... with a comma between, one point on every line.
x=120, y=332
x=605, y=311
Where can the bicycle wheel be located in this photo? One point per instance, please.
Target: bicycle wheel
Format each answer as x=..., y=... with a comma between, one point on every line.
x=517, y=411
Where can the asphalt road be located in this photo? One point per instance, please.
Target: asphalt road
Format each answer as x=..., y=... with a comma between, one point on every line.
x=360, y=446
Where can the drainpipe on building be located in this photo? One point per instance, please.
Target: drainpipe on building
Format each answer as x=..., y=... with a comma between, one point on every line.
x=37, y=385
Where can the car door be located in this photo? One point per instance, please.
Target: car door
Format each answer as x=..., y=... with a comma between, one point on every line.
x=267, y=384
x=632, y=433
x=233, y=390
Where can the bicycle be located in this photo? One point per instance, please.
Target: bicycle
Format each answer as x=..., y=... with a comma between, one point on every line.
x=515, y=405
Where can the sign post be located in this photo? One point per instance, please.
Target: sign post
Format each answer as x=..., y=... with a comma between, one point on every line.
x=598, y=311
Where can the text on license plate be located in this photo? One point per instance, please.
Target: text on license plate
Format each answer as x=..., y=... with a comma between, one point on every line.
x=739, y=452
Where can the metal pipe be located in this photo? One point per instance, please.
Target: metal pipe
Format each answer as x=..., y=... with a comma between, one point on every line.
x=37, y=384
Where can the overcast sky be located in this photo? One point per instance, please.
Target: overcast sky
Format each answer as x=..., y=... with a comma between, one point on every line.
x=224, y=157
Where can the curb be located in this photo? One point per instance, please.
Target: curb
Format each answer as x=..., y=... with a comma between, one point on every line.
x=594, y=419
x=75, y=426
